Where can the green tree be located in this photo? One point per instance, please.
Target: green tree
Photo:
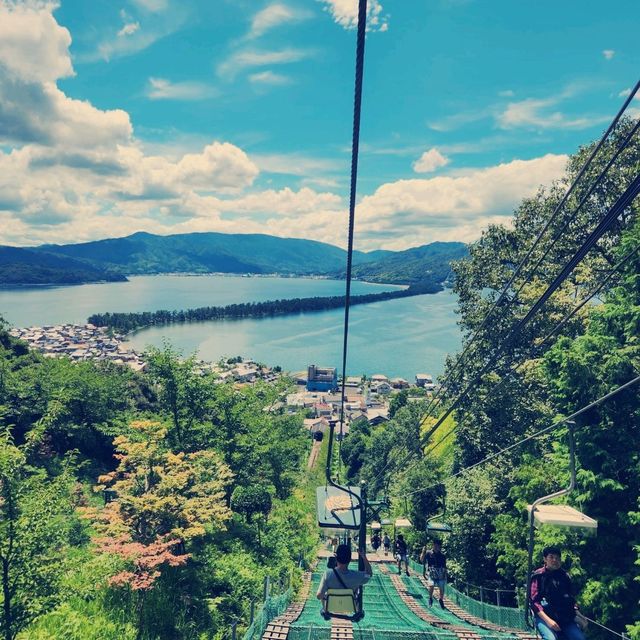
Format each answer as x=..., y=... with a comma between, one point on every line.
x=34, y=526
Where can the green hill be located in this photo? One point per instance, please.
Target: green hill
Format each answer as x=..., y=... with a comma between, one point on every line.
x=428, y=263
x=143, y=253
x=25, y=267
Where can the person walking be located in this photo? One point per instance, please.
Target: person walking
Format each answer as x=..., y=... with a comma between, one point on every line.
x=386, y=543
x=551, y=599
x=435, y=571
x=402, y=553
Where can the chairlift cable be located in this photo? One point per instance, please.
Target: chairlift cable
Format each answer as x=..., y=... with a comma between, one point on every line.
x=589, y=193
x=537, y=434
x=623, y=202
x=355, y=146
x=540, y=235
x=610, y=274
x=620, y=635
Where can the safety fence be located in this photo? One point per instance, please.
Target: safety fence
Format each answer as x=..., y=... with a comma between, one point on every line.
x=271, y=608
x=505, y=616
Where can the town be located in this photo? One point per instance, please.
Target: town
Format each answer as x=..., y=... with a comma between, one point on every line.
x=317, y=390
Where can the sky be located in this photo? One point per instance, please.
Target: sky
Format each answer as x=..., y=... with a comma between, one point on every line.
x=177, y=116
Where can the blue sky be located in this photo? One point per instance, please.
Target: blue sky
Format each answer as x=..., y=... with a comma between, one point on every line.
x=235, y=115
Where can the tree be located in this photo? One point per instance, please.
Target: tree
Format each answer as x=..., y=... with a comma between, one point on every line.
x=34, y=525
x=164, y=501
x=251, y=501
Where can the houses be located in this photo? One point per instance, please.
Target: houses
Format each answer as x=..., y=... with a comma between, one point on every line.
x=424, y=380
x=80, y=342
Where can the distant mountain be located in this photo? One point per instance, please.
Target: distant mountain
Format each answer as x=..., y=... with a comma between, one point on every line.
x=420, y=265
x=143, y=253
x=21, y=267
x=146, y=253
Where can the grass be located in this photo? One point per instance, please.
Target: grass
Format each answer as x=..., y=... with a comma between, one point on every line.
x=443, y=449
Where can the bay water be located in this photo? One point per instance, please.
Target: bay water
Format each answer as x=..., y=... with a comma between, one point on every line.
x=396, y=337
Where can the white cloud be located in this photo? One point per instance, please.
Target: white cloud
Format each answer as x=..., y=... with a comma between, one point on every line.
x=273, y=16
x=507, y=93
x=270, y=78
x=538, y=113
x=608, y=54
x=129, y=29
x=412, y=212
x=457, y=120
x=295, y=164
x=430, y=161
x=33, y=46
x=154, y=6
x=162, y=89
x=345, y=13
x=246, y=59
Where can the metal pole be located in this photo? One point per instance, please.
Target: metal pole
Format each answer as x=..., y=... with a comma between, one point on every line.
x=481, y=594
x=252, y=612
x=233, y=630
x=498, y=596
x=267, y=587
x=362, y=540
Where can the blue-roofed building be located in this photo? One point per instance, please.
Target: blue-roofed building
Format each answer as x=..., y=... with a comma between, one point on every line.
x=321, y=378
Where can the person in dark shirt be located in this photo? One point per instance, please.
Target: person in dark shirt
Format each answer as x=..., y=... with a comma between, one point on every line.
x=551, y=600
x=435, y=571
x=402, y=553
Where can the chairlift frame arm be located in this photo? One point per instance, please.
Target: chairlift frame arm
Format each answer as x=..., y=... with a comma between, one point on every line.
x=542, y=500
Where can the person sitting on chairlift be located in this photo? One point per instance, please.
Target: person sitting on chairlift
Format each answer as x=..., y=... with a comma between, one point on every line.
x=551, y=600
x=341, y=577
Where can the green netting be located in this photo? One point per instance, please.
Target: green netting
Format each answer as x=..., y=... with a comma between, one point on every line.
x=511, y=617
x=386, y=616
x=273, y=607
x=504, y=616
x=359, y=633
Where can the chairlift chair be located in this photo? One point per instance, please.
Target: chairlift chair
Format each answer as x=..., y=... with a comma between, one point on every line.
x=439, y=526
x=557, y=515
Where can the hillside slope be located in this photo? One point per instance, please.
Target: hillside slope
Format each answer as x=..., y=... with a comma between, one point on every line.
x=24, y=267
x=208, y=252
x=413, y=266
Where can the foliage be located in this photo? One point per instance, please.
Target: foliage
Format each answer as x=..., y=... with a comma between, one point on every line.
x=130, y=321
x=34, y=527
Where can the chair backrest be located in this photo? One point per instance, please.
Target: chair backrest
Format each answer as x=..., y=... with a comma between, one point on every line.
x=340, y=602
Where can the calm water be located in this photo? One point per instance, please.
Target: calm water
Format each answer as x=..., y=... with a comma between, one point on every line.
x=397, y=337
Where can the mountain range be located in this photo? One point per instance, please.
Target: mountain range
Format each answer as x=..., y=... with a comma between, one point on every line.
x=145, y=253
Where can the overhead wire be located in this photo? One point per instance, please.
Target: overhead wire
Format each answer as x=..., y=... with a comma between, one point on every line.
x=613, y=271
x=622, y=203
x=535, y=435
x=542, y=232
x=355, y=147
x=502, y=295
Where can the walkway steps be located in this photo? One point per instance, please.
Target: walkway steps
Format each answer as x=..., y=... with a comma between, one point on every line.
x=341, y=629
x=278, y=629
x=475, y=620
